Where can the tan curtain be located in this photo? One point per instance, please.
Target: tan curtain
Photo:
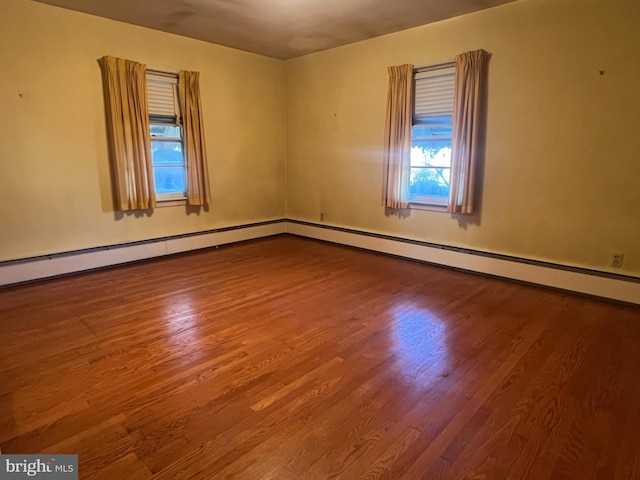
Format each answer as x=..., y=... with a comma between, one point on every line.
x=195, y=152
x=397, y=138
x=125, y=92
x=468, y=118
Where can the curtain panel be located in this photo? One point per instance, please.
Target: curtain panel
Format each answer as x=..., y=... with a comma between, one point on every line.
x=125, y=92
x=397, y=138
x=195, y=152
x=468, y=124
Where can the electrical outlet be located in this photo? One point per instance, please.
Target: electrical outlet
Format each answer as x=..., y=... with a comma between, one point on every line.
x=617, y=259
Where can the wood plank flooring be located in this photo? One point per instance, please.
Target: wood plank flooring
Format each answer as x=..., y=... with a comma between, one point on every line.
x=287, y=358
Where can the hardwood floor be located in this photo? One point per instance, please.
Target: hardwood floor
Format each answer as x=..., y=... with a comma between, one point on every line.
x=286, y=358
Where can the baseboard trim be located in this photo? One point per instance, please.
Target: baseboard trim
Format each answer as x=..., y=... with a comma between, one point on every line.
x=589, y=282
x=46, y=266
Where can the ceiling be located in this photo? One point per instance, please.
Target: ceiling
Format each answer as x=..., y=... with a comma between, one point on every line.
x=278, y=28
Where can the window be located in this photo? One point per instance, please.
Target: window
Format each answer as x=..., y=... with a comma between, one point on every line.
x=171, y=124
x=169, y=168
x=431, y=135
x=430, y=153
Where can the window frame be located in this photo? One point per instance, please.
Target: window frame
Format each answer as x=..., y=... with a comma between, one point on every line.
x=447, y=68
x=168, y=117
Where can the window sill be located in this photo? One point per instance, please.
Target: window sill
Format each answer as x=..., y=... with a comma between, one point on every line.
x=428, y=206
x=171, y=203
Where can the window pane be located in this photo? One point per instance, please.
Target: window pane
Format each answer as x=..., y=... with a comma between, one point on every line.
x=433, y=182
x=167, y=131
x=166, y=153
x=430, y=151
x=169, y=179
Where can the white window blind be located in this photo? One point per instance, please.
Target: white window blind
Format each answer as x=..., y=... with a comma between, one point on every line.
x=162, y=94
x=434, y=91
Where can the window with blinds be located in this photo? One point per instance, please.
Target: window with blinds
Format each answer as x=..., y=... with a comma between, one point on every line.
x=431, y=134
x=169, y=169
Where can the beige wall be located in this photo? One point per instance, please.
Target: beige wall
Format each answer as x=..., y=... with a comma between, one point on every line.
x=562, y=174
x=562, y=167
x=55, y=185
